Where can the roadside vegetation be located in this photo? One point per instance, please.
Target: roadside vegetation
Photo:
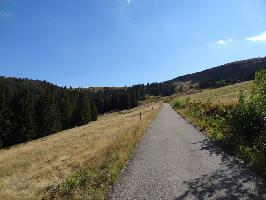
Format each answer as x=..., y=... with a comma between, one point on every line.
x=79, y=163
x=240, y=124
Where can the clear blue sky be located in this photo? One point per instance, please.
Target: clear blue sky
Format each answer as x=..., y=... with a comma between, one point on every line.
x=124, y=42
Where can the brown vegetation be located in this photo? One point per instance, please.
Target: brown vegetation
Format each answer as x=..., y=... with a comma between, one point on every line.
x=225, y=95
x=43, y=168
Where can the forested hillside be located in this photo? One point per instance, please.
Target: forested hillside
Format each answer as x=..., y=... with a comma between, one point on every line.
x=215, y=77
x=32, y=109
x=230, y=73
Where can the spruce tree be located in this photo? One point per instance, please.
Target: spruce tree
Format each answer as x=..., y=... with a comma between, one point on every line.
x=82, y=114
x=94, y=113
x=5, y=117
x=24, y=122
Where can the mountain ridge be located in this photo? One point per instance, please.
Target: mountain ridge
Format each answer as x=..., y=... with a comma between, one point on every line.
x=237, y=71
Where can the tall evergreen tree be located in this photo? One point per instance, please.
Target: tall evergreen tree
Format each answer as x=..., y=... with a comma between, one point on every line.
x=47, y=115
x=24, y=122
x=5, y=116
x=82, y=114
x=94, y=112
x=65, y=111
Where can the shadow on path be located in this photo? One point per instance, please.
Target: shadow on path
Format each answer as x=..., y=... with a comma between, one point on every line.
x=233, y=180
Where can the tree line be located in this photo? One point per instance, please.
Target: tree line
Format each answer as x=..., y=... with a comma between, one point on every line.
x=32, y=109
x=107, y=99
x=160, y=89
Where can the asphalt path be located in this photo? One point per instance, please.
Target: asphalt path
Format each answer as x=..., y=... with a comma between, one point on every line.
x=175, y=161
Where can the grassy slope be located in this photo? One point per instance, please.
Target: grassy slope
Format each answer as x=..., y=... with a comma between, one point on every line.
x=213, y=125
x=68, y=163
x=220, y=96
x=224, y=95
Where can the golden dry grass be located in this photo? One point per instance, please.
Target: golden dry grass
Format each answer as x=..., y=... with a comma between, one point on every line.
x=225, y=95
x=27, y=170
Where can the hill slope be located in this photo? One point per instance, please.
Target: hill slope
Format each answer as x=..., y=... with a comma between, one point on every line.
x=227, y=94
x=238, y=71
x=30, y=170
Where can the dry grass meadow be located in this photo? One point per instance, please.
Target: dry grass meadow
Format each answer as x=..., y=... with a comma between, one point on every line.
x=53, y=167
x=228, y=94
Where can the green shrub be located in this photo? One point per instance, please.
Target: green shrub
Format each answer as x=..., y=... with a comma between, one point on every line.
x=240, y=126
x=177, y=104
x=258, y=95
x=247, y=120
x=245, y=124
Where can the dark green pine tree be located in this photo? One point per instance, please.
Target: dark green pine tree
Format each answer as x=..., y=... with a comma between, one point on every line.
x=82, y=114
x=55, y=122
x=47, y=115
x=42, y=115
x=5, y=117
x=128, y=101
x=24, y=122
x=65, y=110
x=134, y=101
x=94, y=112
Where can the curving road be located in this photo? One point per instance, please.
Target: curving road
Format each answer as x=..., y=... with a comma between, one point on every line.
x=175, y=161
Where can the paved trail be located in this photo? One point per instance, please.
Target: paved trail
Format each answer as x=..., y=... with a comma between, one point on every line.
x=175, y=161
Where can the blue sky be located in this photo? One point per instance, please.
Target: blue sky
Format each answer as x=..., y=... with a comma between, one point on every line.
x=124, y=42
